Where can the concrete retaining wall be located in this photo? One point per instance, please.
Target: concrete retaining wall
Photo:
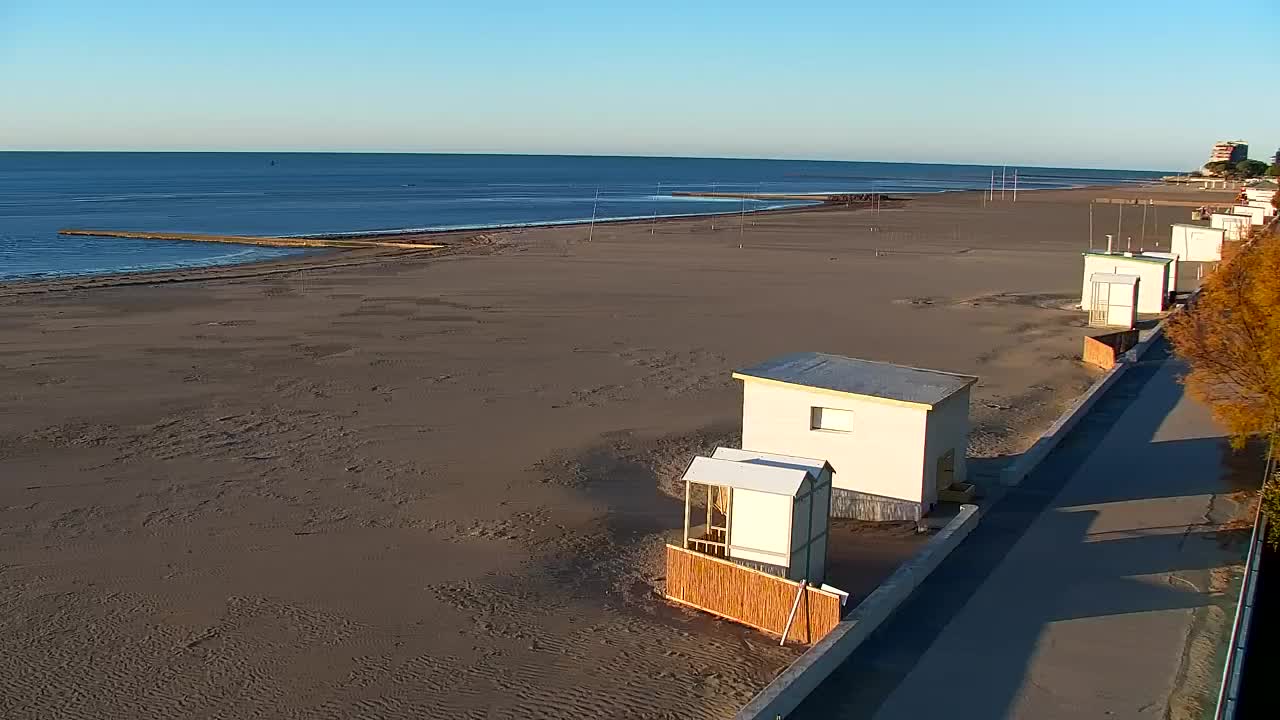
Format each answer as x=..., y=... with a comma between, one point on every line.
x=1026, y=462
x=795, y=683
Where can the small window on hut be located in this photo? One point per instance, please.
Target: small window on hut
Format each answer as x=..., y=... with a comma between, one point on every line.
x=821, y=418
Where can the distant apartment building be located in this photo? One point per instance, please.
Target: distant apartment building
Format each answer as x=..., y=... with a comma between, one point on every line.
x=1232, y=151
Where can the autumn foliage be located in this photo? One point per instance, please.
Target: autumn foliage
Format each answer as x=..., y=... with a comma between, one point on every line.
x=1230, y=337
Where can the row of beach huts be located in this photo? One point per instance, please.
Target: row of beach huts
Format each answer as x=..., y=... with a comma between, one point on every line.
x=826, y=436
x=1118, y=286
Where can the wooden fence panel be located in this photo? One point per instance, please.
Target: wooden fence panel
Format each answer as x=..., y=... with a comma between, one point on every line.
x=1102, y=350
x=749, y=596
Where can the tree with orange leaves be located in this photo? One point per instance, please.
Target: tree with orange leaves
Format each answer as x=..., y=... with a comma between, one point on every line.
x=1230, y=338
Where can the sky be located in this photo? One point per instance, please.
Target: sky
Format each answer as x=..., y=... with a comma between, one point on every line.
x=1118, y=84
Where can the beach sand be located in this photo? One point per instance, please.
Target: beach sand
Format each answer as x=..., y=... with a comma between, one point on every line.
x=398, y=484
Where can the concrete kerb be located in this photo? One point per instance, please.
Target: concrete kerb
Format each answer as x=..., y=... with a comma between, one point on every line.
x=794, y=684
x=1028, y=461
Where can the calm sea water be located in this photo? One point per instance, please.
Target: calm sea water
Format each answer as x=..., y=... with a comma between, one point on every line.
x=309, y=193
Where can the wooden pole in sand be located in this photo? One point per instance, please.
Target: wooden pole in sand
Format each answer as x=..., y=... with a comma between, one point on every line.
x=1015, y=184
x=715, y=187
x=991, y=192
x=595, y=203
x=1090, y=226
x=1142, y=240
x=1004, y=169
x=653, y=226
x=1120, y=221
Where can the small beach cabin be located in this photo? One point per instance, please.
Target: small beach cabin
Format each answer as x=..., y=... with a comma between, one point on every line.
x=764, y=511
x=894, y=435
x=1197, y=243
x=1172, y=283
x=1153, y=293
x=1112, y=300
x=1233, y=226
x=1268, y=210
x=1260, y=194
x=1257, y=215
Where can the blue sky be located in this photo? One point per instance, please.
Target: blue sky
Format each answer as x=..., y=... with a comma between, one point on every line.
x=1124, y=83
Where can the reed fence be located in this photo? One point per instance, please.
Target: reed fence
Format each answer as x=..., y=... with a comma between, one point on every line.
x=748, y=596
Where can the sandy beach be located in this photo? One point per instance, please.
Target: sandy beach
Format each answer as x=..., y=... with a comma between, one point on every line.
x=436, y=484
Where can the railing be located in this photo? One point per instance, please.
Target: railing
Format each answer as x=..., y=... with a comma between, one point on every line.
x=1229, y=692
x=712, y=542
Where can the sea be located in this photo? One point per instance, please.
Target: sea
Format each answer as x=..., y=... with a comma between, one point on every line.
x=334, y=193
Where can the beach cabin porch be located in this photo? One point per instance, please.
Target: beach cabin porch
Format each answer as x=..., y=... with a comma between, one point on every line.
x=755, y=543
x=760, y=510
x=1112, y=300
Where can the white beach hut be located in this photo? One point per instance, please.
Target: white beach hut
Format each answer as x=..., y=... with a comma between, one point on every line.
x=1113, y=300
x=1153, y=293
x=1171, y=284
x=1268, y=210
x=1257, y=216
x=1233, y=226
x=894, y=435
x=1197, y=243
x=1262, y=195
x=764, y=511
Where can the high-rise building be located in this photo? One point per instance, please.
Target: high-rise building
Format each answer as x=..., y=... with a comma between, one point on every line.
x=1232, y=151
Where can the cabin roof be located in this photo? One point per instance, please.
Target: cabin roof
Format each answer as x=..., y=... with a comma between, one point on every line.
x=1122, y=256
x=1114, y=279
x=867, y=378
x=814, y=466
x=771, y=479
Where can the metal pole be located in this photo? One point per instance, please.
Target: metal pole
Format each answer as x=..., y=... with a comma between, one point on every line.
x=714, y=185
x=591, y=233
x=1003, y=170
x=1142, y=241
x=991, y=193
x=656, y=195
x=1015, y=184
x=1091, y=226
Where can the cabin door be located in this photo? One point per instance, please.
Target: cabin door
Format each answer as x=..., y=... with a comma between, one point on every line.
x=946, y=475
x=1100, y=302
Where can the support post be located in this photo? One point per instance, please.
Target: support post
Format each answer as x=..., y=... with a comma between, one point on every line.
x=794, y=606
x=686, y=516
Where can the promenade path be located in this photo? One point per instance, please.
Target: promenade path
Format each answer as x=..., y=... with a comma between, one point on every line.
x=1099, y=587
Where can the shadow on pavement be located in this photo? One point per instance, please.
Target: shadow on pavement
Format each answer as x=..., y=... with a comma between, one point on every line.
x=1100, y=580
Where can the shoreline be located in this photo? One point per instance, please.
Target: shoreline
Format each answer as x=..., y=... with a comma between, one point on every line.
x=449, y=241
x=489, y=437
x=276, y=265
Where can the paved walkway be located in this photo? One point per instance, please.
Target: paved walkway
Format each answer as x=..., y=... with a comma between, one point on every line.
x=1076, y=595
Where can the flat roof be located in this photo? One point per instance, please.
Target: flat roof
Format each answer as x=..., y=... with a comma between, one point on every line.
x=1113, y=279
x=1122, y=256
x=771, y=479
x=914, y=386
x=812, y=465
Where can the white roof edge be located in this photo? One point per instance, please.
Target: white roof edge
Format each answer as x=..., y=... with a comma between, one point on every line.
x=814, y=465
x=1114, y=278
x=771, y=479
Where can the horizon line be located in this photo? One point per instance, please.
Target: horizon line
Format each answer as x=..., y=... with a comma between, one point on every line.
x=573, y=155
